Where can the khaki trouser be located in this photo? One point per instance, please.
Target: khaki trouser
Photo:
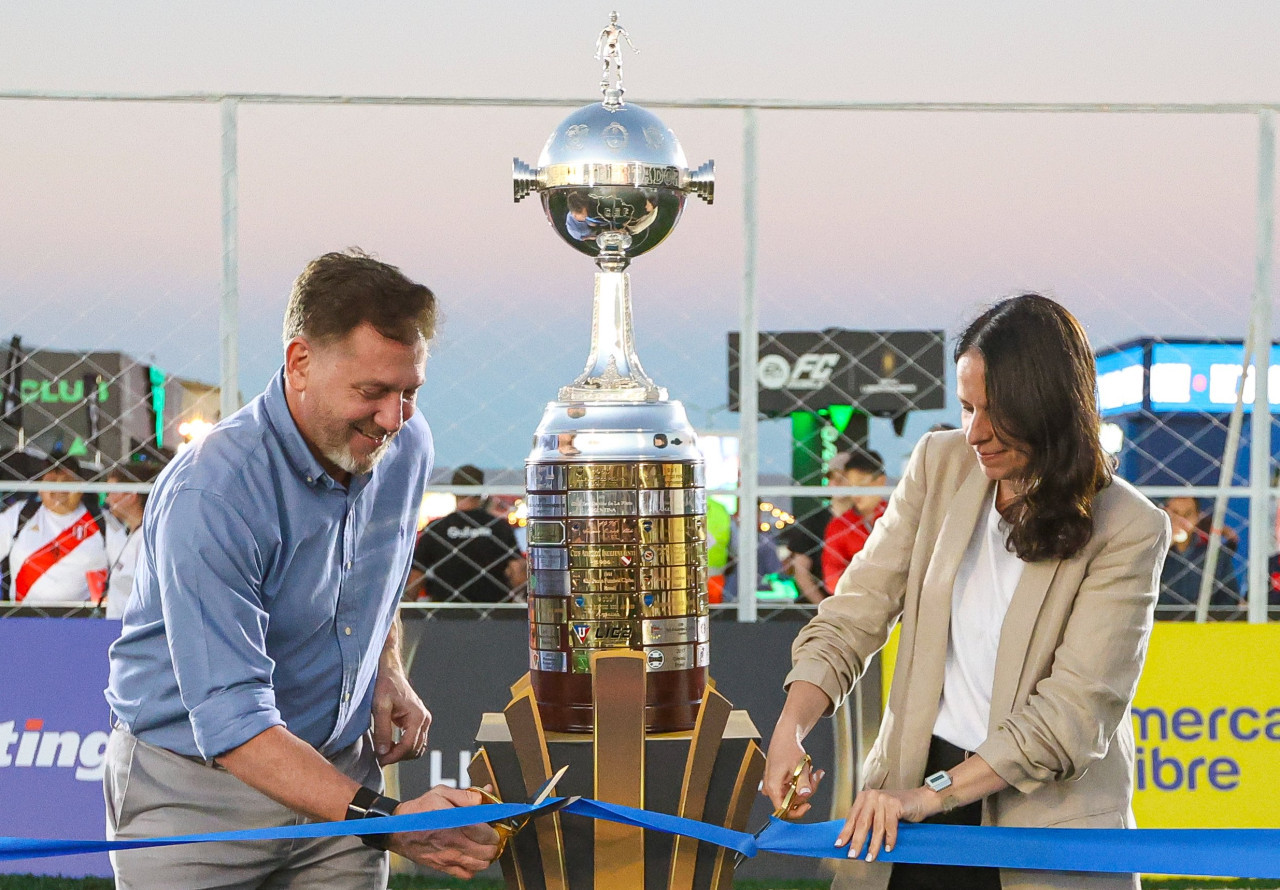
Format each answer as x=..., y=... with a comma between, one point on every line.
x=152, y=792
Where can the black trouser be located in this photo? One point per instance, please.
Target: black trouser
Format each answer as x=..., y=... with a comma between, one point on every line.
x=906, y=876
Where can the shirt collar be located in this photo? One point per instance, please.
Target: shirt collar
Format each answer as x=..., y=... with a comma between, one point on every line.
x=996, y=523
x=296, y=452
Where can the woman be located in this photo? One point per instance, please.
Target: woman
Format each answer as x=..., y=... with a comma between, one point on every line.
x=1024, y=577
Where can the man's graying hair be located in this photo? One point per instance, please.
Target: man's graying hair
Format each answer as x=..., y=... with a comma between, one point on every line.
x=338, y=292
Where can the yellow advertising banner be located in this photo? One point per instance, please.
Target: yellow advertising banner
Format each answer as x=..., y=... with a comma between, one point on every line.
x=1206, y=723
x=1206, y=726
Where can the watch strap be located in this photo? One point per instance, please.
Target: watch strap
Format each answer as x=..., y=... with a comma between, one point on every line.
x=369, y=804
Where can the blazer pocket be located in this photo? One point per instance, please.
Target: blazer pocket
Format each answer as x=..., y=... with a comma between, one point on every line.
x=1110, y=818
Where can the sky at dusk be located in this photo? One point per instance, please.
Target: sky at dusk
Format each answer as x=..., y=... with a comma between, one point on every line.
x=1143, y=224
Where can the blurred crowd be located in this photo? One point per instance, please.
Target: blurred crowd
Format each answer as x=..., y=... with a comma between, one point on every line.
x=61, y=546
x=810, y=555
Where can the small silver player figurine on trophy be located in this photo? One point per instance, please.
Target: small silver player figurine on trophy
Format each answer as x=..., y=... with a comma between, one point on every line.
x=609, y=51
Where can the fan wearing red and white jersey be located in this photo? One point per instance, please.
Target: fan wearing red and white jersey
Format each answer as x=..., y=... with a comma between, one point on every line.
x=56, y=552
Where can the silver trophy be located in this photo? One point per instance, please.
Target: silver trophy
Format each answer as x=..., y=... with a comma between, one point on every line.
x=617, y=497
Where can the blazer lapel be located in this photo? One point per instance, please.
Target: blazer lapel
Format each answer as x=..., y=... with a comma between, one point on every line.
x=933, y=618
x=1015, y=635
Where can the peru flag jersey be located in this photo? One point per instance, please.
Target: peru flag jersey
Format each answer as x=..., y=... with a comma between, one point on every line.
x=53, y=558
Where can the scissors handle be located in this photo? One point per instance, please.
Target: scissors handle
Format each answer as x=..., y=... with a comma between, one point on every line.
x=505, y=828
x=790, y=800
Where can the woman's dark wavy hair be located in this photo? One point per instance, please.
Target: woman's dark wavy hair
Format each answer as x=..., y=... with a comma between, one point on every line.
x=1041, y=381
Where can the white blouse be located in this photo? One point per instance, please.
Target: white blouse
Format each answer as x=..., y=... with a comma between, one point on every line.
x=984, y=585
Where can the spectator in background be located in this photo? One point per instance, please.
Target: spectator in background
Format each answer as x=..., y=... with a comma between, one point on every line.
x=800, y=551
x=719, y=550
x=54, y=544
x=468, y=555
x=125, y=539
x=848, y=531
x=1184, y=568
x=803, y=539
x=1273, y=596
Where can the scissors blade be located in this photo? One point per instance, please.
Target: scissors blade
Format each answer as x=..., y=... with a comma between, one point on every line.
x=781, y=812
x=546, y=788
x=556, y=805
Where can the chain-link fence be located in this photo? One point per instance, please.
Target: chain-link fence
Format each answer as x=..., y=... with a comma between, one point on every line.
x=152, y=241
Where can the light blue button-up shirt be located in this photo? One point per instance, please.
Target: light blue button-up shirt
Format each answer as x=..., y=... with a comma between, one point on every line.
x=265, y=590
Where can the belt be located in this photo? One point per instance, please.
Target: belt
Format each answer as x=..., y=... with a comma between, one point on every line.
x=202, y=761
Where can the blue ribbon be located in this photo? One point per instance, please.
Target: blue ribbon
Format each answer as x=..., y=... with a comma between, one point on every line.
x=1202, y=852
x=1240, y=853
x=738, y=841
x=432, y=820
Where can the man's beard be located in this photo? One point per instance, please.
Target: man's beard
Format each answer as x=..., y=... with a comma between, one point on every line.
x=343, y=456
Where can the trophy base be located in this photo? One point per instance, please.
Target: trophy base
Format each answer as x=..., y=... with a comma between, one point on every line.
x=711, y=773
x=570, y=719
x=672, y=700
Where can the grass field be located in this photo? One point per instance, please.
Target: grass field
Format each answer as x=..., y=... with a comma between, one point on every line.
x=418, y=882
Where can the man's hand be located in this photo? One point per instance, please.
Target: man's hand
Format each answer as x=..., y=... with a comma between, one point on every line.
x=396, y=705
x=460, y=852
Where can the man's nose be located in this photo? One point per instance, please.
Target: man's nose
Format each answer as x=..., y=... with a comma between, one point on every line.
x=392, y=413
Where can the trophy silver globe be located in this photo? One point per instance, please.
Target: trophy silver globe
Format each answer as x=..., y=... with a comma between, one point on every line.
x=615, y=480
x=613, y=180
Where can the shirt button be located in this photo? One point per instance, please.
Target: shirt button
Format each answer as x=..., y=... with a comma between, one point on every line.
x=346, y=697
x=348, y=565
x=347, y=631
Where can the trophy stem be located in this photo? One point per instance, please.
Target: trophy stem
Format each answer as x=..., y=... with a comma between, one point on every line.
x=613, y=372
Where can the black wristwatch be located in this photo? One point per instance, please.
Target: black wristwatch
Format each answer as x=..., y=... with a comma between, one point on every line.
x=369, y=804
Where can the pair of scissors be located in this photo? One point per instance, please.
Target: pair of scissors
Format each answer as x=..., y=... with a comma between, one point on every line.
x=508, y=828
x=793, y=786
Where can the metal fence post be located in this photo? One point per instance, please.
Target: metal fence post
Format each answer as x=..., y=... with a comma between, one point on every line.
x=1260, y=514
x=748, y=396
x=229, y=317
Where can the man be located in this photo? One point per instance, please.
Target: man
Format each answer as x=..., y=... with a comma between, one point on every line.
x=849, y=530
x=125, y=540
x=1184, y=568
x=469, y=555
x=261, y=634
x=54, y=543
x=579, y=222
x=802, y=542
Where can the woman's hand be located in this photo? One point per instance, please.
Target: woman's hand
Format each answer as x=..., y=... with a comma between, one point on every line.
x=805, y=704
x=786, y=756
x=780, y=772
x=875, y=815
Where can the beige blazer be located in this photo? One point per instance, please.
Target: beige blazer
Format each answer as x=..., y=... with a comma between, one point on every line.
x=1071, y=648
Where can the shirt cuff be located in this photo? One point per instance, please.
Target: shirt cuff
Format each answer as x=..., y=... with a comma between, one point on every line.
x=232, y=717
x=820, y=675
